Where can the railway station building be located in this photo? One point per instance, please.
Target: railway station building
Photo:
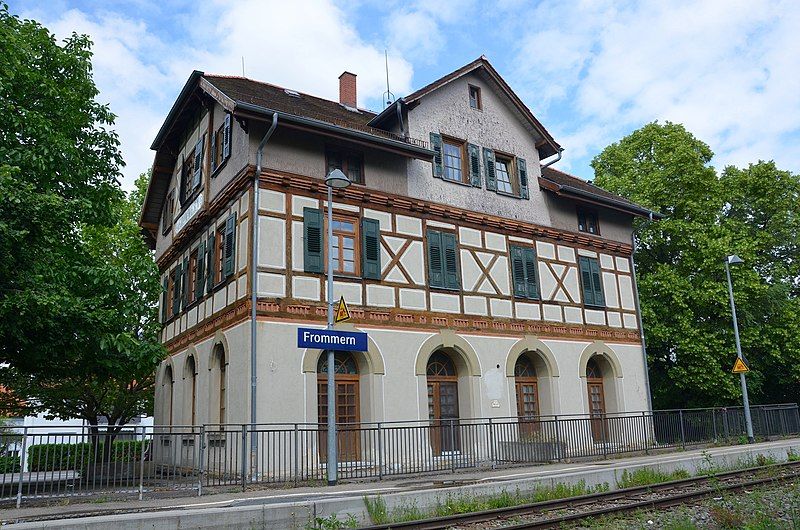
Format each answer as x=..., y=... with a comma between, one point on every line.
x=490, y=284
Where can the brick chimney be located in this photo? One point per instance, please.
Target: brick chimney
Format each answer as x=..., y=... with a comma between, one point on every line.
x=347, y=89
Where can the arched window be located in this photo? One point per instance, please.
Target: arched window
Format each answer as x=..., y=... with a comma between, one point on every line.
x=442, y=379
x=348, y=413
x=527, y=391
x=190, y=375
x=221, y=365
x=169, y=385
x=597, y=400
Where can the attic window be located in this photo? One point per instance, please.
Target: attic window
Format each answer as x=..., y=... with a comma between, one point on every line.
x=475, y=97
x=292, y=93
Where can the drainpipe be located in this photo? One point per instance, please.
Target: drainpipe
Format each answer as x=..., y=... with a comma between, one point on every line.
x=254, y=298
x=639, y=313
x=556, y=159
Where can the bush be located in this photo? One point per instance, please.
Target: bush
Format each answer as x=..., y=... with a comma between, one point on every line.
x=74, y=456
x=9, y=464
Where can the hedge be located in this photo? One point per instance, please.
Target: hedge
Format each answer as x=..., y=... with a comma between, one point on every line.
x=9, y=464
x=73, y=456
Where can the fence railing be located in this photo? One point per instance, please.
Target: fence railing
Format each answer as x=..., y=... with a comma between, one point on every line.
x=140, y=462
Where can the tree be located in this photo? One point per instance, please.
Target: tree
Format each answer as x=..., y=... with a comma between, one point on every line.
x=78, y=287
x=682, y=281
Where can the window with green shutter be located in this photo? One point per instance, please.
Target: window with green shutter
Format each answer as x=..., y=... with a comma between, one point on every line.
x=200, y=278
x=184, y=303
x=443, y=260
x=522, y=173
x=524, y=272
x=436, y=145
x=312, y=240
x=592, y=282
x=488, y=168
x=210, y=248
x=474, y=153
x=175, y=281
x=230, y=246
x=371, y=248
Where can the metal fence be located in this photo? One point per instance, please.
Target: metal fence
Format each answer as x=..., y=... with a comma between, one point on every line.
x=158, y=461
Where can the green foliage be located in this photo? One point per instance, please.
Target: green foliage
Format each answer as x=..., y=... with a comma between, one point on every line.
x=648, y=475
x=78, y=287
x=76, y=456
x=332, y=523
x=751, y=212
x=9, y=464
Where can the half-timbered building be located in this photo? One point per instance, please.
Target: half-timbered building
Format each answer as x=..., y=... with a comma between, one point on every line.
x=490, y=284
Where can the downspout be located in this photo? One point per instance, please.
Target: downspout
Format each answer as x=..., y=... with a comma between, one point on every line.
x=556, y=159
x=400, y=119
x=639, y=313
x=254, y=299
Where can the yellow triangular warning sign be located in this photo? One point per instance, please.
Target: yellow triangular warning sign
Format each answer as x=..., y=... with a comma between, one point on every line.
x=740, y=367
x=342, y=313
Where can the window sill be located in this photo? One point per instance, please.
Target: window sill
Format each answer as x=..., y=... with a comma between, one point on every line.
x=217, y=169
x=527, y=298
x=595, y=307
x=448, y=290
x=459, y=182
x=509, y=195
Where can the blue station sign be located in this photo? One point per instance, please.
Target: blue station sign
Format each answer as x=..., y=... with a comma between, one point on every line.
x=331, y=339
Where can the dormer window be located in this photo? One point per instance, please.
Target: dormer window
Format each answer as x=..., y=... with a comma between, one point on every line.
x=587, y=221
x=350, y=162
x=475, y=97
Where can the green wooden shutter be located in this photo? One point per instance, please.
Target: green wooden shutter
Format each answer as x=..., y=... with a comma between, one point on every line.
x=164, y=298
x=176, y=290
x=522, y=170
x=488, y=166
x=226, y=138
x=451, y=279
x=182, y=184
x=185, y=284
x=435, y=259
x=597, y=283
x=198, y=163
x=586, y=280
x=474, y=165
x=518, y=271
x=210, y=264
x=531, y=276
x=436, y=145
x=371, y=248
x=200, y=278
x=230, y=246
x=312, y=236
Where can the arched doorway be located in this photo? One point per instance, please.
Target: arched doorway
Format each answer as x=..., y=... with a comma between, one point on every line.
x=168, y=394
x=190, y=391
x=442, y=379
x=348, y=413
x=597, y=399
x=219, y=365
x=527, y=390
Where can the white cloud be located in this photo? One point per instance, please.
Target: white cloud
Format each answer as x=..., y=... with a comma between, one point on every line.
x=416, y=28
x=303, y=45
x=727, y=70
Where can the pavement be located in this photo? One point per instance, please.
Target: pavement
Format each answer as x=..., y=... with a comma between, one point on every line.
x=296, y=507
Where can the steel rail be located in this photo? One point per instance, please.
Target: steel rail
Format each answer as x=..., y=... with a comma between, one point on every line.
x=539, y=508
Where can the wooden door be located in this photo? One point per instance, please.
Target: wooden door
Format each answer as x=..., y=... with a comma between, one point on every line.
x=348, y=417
x=443, y=411
x=597, y=409
x=527, y=404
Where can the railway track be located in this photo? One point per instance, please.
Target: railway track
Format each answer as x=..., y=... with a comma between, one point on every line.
x=552, y=514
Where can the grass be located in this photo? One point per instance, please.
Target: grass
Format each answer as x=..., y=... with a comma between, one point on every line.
x=457, y=504
x=646, y=476
x=332, y=523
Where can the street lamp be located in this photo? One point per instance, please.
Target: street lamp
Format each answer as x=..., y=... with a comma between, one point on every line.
x=335, y=179
x=733, y=259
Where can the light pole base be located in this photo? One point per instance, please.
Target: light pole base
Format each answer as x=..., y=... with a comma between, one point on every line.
x=331, y=483
x=751, y=440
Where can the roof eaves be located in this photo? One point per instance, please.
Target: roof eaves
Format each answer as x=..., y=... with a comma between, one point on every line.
x=619, y=204
x=310, y=122
x=176, y=108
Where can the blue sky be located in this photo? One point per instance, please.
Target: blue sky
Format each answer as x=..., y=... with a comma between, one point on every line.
x=591, y=71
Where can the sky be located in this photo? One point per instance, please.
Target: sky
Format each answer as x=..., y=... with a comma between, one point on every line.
x=591, y=71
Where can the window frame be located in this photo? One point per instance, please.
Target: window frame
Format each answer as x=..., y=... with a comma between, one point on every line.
x=478, y=100
x=464, y=156
x=219, y=254
x=168, y=212
x=537, y=296
x=346, y=156
x=356, y=234
x=443, y=257
x=191, y=281
x=218, y=146
x=589, y=261
x=511, y=170
x=588, y=214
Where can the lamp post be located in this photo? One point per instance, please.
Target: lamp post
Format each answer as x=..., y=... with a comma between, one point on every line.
x=736, y=260
x=335, y=179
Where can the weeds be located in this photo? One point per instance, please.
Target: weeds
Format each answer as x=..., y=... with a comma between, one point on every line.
x=646, y=476
x=332, y=522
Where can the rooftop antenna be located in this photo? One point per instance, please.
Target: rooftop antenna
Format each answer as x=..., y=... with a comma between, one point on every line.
x=243, y=67
x=388, y=95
